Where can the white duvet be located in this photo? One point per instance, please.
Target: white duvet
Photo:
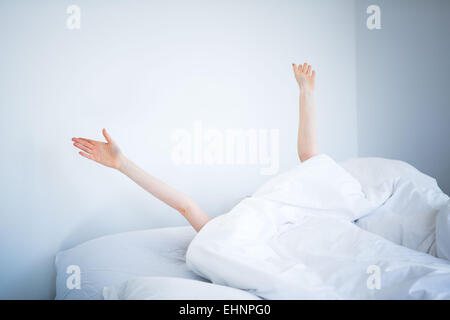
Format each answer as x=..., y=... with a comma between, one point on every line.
x=295, y=238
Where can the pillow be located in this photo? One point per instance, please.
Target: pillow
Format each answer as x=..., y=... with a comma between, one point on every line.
x=373, y=172
x=443, y=233
x=408, y=217
x=116, y=258
x=416, y=214
x=166, y=288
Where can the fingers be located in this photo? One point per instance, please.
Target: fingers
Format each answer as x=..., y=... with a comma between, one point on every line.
x=106, y=135
x=308, y=70
x=302, y=68
x=83, y=142
x=90, y=157
x=313, y=75
x=82, y=147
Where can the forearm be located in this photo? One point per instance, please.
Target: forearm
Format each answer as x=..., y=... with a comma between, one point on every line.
x=172, y=197
x=307, y=134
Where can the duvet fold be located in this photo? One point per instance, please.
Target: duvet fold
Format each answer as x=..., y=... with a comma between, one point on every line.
x=295, y=238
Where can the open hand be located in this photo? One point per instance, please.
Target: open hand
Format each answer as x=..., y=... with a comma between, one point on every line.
x=304, y=76
x=107, y=154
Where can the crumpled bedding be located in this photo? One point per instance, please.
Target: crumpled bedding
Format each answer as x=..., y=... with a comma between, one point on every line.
x=295, y=238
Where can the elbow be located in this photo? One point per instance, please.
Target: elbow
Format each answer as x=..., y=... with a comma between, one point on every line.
x=186, y=208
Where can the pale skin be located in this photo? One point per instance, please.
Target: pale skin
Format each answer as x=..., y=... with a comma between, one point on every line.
x=108, y=154
x=307, y=134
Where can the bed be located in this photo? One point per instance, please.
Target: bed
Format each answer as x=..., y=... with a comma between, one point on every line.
x=151, y=264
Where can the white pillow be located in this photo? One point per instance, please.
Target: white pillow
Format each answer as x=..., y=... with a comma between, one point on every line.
x=416, y=215
x=373, y=172
x=116, y=258
x=165, y=288
x=408, y=217
x=443, y=233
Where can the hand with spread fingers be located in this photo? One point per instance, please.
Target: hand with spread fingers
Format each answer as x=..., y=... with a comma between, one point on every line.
x=305, y=76
x=106, y=153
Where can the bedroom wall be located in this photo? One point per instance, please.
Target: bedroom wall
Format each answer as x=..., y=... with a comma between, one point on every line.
x=144, y=69
x=403, y=74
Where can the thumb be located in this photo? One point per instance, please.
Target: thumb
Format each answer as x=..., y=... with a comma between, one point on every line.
x=106, y=135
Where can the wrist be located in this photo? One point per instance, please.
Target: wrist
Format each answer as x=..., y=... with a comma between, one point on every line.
x=306, y=93
x=306, y=90
x=122, y=163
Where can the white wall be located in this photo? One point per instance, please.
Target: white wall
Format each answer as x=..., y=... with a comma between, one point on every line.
x=403, y=77
x=143, y=69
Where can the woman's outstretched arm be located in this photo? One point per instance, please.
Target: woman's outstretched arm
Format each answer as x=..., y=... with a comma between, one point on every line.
x=307, y=135
x=109, y=154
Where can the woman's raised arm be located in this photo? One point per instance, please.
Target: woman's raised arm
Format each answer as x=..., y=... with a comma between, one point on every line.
x=307, y=135
x=109, y=154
